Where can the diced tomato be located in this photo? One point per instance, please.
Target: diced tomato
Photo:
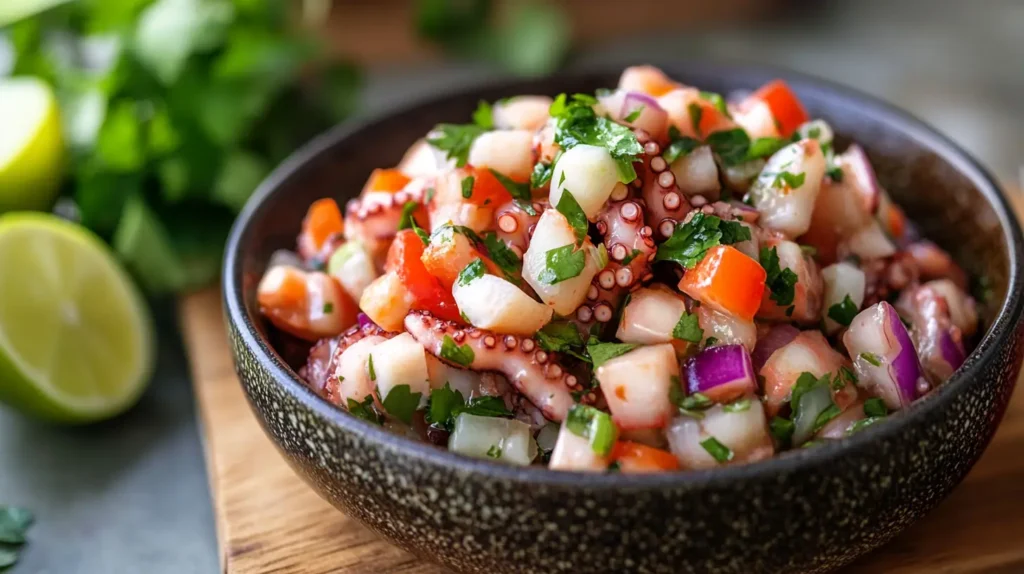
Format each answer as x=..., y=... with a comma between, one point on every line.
x=448, y=255
x=487, y=190
x=308, y=305
x=322, y=221
x=786, y=107
x=405, y=258
x=386, y=180
x=634, y=457
x=728, y=281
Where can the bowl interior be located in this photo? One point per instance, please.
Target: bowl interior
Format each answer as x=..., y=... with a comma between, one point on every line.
x=950, y=198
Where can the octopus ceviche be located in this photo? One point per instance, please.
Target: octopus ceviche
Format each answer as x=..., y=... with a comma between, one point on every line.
x=646, y=279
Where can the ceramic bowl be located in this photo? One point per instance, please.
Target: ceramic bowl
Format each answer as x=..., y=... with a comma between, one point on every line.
x=808, y=510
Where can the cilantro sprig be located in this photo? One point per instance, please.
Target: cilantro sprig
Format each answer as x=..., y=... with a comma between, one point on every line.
x=561, y=264
x=690, y=241
x=576, y=123
x=446, y=404
x=843, y=312
x=781, y=281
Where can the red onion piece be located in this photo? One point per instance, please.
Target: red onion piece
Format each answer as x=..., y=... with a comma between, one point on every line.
x=884, y=356
x=779, y=336
x=363, y=319
x=952, y=350
x=864, y=180
x=722, y=373
x=652, y=118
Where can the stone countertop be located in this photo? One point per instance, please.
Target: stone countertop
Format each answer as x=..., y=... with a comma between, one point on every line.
x=131, y=496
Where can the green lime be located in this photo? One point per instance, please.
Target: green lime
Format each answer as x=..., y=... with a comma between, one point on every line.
x=76, y=338
x=31, y=145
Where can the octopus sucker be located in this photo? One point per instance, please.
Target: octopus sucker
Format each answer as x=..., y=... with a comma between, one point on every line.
x=515, y=225
x=323, y=357
x=522, y=367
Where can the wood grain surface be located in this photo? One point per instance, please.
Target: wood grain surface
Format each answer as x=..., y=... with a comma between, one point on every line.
x=268, y=520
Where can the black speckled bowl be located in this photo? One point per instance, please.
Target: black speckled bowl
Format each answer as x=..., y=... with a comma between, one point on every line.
x=805, y=511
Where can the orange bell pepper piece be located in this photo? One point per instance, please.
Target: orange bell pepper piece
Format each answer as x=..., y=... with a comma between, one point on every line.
x=322, y=221
x=405, y=258
x=786, y=107
x=634, y=457
x=726, y=280
x=386, y=180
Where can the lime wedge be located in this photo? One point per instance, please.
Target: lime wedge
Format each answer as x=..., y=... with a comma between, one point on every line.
x=76, y=338
x=31, y=145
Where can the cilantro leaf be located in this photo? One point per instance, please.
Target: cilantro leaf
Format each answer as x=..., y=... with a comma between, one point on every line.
x=737, y=406
x=731, y=146
x=782, y=429
x=462, y=355
x=570, y=208
x=541, y=174
x=601, y=353
x=365, y=410
x=369, y=368
x=467, y=186
x=520, y=191
x=787, y=180
x=688, y=328
x=474, y=270
x=504, y=257
x=780, y=281
x=484, y=115
x=559, y=336
x=406, y=221
x=716, y=449
x=593, y=424
x=679, y=145
x=401, y=402
x=441, y=404
x=562, y=263
x=577, y=123
x=872, y=359
x=455, y=140
x=875, y=407
x=843, y=312
x=765, y=147
x=484, y=406
x=696, y=115
x=690, y=241
x=633, y=115
x=494, y=451
x=716, y=100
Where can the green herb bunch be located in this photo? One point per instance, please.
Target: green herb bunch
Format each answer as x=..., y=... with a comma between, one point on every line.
x=174, y=110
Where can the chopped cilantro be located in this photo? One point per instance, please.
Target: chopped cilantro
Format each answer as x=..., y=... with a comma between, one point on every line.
x=559, y=337
x=834, y=172
x=629, y=258
x=526, y=206
x=710, y=342
x=369, y=368
x=843, y=312
x=446, y=404
x=485, y=406
x=716, y=449
x=424, y=237
x=459, y=354
x=562, y=263
x=688, y=328
x=494, y=451
x=781, y=282
x=365, y=410
x=633, y=115
x=847, y=375
x=407, y=221
x=455, y=140
x=467, y=187
x=871, y=358
x=696, y=115
x=787, y=180
x=690, y=241
x=875, y=407
x=716, y=100
x=600, y=353
x=401, y=402
x=474, y=270
x=577, y=123
x=764, y=147
x=484, y=115
x=570, y=208
x=328, y=308
x=782, y=429
x=593, y=424
x=731, y=146
x=504, y=257
x=830, y=412
x=679, y=145
x=541, y=174
x=517, y=190
x=737, y=406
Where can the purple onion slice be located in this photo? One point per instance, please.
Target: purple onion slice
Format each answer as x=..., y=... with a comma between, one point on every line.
x=722, y=373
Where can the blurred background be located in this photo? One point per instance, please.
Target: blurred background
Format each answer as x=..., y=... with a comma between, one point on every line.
x=173, y=110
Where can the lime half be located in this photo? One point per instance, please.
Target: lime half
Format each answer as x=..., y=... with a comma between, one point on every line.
x=76, y=338
x=31, y=145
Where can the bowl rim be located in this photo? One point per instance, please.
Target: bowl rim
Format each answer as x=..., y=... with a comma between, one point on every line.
x=1006, y=319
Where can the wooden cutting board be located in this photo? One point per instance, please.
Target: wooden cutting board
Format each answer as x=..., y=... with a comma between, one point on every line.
x=268, y=520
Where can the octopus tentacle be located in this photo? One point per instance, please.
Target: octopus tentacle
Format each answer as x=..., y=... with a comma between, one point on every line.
x=666, y=203
x=631, y=249
x=323, y=357
x=515, y=225
x=535, y=373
